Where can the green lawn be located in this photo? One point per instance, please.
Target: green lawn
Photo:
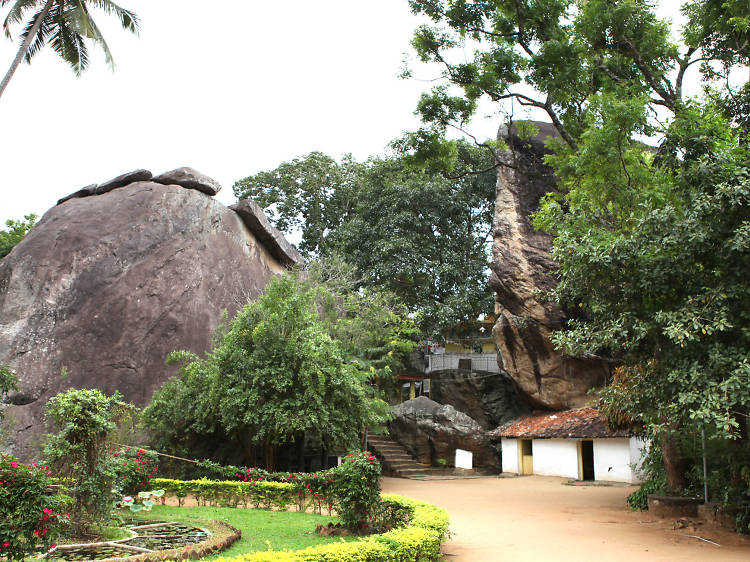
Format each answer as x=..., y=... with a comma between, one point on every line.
x=282, y=529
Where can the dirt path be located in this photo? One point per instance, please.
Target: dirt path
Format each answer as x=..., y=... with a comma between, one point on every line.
x=535, y=518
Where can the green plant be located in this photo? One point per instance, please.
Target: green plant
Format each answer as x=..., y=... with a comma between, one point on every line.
x=145, y=498
x=15, y=233
x=273, y=375
x=30, y=516
x=419, y=542
x=78, y=452
x=357, y=487
x=135, y=467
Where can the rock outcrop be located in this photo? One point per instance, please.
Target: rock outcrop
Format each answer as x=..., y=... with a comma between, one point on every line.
x=488, y=399
x=432, y=431
x=109, y=282
x=521, y=272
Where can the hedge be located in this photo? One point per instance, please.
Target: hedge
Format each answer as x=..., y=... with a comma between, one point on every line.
x=419, y=542
x=268, y=495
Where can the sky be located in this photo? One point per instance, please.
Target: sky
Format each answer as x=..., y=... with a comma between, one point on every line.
x=229, y=88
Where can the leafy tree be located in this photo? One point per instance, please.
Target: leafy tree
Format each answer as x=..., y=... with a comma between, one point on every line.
x=14, y=234
x=64, y=25
x=414, y=232
x=650, y=243
x=299, y=360
x=79, y=452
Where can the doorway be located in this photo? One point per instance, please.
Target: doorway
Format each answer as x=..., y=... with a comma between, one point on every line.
x=587, y=460
x=527, y=457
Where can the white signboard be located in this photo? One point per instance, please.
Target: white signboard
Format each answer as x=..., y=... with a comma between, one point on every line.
x=464, y=459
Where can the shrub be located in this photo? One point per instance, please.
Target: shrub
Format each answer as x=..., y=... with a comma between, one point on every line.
x=79, y=452
x=266, y=495
x=135, y=468
x=420, y=542
x=31, y=517
x=357, y=487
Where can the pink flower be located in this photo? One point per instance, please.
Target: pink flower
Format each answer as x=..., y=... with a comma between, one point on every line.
x=13, y=464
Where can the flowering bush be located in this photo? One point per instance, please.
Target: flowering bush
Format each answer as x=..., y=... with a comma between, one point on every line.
x=357, y=487
x=136, y=468
x=31, y=518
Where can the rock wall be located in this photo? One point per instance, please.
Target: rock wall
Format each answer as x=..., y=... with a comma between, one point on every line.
x=111, y=280
x=488, y=398
x=432, y=431
x=521, y=270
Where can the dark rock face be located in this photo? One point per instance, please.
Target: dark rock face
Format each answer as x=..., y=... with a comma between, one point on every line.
x=432, y=431
x=489, y=399
x=107, y=285
x=521, y=271
x=189, y=179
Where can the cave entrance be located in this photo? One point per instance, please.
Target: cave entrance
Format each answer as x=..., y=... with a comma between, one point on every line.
x=527, y=457
x=587, y=460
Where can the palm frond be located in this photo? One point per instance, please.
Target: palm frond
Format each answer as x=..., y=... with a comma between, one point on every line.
x=17, y=13
x=42, y=36
x=128, y=19
x=71, y=48
x=80, y=21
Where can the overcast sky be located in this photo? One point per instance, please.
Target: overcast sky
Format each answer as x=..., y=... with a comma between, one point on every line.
x=227, y=87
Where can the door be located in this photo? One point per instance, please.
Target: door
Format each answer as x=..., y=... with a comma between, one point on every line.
x=587, y=460
x=527, y=457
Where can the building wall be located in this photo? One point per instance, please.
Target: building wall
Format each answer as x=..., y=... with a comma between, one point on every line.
x=614, y=458
x=556, y=457
x=509, y=448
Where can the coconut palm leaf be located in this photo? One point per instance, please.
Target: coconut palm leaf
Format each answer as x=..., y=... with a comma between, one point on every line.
x=17, y=13
x=64, y=25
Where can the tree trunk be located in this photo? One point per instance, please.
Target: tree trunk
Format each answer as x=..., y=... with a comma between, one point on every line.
x=674, y=467
x=269, y=456
x=300, y=444
x=24, y=48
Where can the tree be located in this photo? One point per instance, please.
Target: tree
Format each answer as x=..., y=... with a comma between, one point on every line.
x=79, y=452
x=302, y=359
x=15, y=233
x=411, y=231
x=64, y=25
x=650, y=242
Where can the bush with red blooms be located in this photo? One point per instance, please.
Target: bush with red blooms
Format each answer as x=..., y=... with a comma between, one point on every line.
x=31, y=515
x=136, y=468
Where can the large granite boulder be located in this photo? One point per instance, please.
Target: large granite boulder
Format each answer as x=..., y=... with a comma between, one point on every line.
x=106, y=285
x=432, y=431
x=490, y=399
x=521, y=271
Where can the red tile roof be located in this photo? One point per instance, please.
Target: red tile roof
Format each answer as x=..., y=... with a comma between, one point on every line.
x=582, y=423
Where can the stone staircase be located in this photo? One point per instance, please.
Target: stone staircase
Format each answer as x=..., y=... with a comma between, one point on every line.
x=395, y=459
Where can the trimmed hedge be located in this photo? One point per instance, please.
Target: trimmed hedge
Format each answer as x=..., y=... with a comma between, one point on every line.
x=259, y=494
x=419, y=542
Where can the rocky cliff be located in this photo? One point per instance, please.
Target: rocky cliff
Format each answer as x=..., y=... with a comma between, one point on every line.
x=521, y=273
x=118, y=275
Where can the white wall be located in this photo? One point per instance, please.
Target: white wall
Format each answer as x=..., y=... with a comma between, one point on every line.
x=509, y=448
x=613, y=459
x=556, y=457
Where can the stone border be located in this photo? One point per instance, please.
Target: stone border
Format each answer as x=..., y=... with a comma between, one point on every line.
x=193, y=551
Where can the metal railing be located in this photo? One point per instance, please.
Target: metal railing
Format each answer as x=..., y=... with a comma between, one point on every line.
x=485, y=362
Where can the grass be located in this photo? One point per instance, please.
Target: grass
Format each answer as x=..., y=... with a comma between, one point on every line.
x=261, y=529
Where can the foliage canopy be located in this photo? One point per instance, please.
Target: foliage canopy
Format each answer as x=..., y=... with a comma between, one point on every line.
x=301, y=359
x=651, y=243
x=411, y=231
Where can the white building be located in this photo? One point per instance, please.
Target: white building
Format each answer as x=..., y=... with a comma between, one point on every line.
x=572, y=444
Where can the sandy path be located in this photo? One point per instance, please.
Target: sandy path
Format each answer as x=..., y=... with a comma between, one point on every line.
x=536, y=518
